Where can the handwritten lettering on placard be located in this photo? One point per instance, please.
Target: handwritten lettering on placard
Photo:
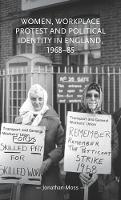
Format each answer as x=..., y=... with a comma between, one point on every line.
x=88, y=143
x=21, y=153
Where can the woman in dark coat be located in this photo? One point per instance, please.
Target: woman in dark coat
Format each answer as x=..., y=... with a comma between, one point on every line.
x=100, y=186
x=117, y=118
x=36, y=112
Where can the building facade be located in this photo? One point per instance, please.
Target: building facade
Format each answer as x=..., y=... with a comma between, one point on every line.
x=24, y=32
x=77, y=36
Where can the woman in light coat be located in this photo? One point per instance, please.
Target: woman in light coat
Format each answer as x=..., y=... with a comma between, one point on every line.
x=36, y=112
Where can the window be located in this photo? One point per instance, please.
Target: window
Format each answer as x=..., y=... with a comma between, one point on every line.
x=16, y=90
x=24, y=44
x=31, y=40
x=86, y=39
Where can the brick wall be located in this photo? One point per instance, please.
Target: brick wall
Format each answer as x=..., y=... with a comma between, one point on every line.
x=9, y=7
x=110, y=17
x=9, y=18
x=109, y=12
x=110, y=20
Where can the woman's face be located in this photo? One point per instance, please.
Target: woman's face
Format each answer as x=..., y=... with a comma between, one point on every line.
x=37, y=101
x=92, y=100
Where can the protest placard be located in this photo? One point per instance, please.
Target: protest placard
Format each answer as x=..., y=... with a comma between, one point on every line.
x=21, y=153
x=88, y=143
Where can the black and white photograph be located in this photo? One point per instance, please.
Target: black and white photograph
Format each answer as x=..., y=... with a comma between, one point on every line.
x=60, y=100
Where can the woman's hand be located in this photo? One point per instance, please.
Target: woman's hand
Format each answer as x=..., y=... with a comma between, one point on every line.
x=18, y=120
x=93, y=179
x=45, y=165
x=86, y=179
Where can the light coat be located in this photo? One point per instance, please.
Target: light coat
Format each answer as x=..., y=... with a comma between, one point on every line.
x=54, y=148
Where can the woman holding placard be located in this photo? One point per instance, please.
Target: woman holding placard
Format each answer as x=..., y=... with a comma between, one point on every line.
x=97, y=187
x=36, y=112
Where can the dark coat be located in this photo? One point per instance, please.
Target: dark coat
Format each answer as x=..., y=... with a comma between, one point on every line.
x=107, y=184
x=54, y=148
x=117, y=164
x=117, y=118
x=100, y=190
